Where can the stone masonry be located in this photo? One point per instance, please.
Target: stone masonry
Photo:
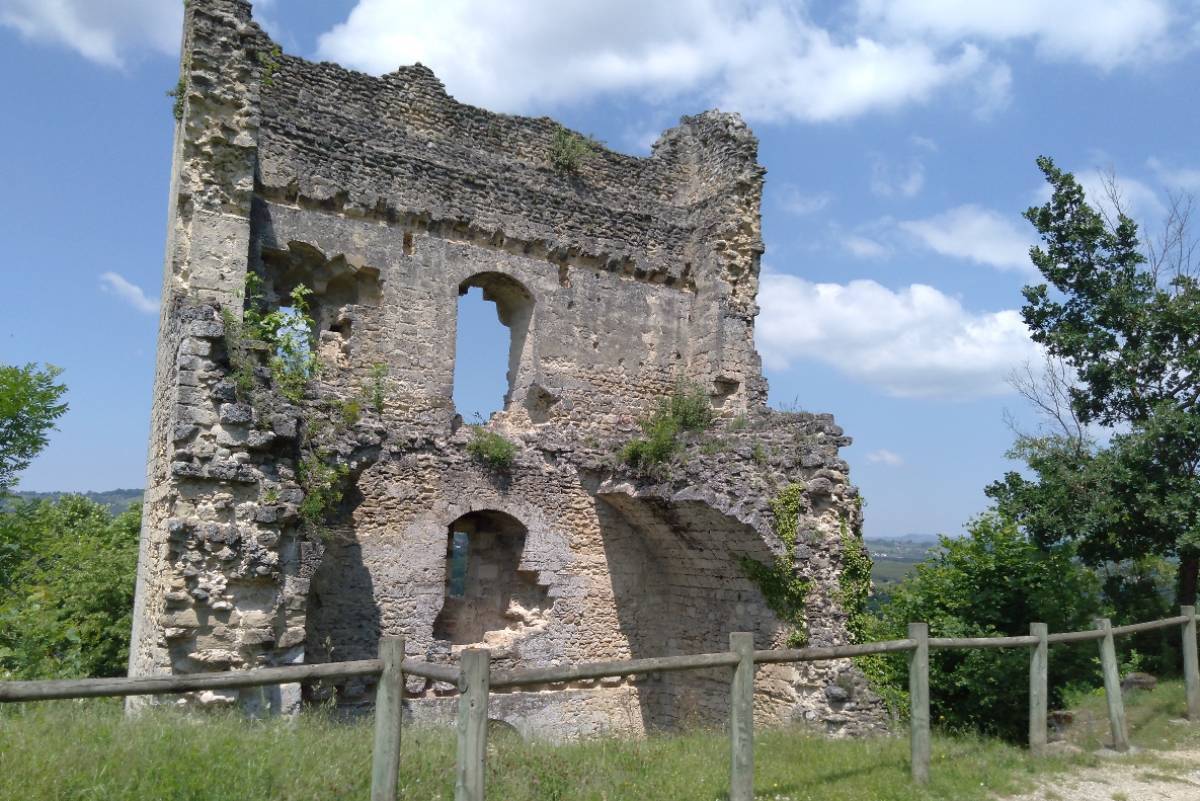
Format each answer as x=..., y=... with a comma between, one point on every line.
x=619, y=281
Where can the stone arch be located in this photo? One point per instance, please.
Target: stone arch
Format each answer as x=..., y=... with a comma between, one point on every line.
x=515, y=308
x=488, y=597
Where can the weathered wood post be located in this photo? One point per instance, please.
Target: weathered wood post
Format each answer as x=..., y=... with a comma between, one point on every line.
x=472, y=725
x=1191, y=666
x=1112, y=687
x=1039, y=688
x=389, y=697
x=918, y=693
x=741, y=719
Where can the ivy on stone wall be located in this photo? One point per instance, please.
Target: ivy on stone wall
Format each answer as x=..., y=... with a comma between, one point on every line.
x=284, y=338
x=785, y=592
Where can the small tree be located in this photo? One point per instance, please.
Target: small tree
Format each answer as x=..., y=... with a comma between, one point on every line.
x=30, y=402
x=992, y=582
x=1124, y=317
x=67, y=574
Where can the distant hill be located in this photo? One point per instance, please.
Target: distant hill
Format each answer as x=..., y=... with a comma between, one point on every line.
x=893, y=558
x=117, y=500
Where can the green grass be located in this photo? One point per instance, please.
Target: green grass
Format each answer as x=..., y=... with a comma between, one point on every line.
x=1154, y=719
x=77, y=751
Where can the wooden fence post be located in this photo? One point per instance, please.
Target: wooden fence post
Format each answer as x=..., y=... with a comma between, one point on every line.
x=1112, y=687
x=918, y=692
x=1191, y=666
x=1039, y=689
x=472, y=725
x=741, y=719
x=389, y=697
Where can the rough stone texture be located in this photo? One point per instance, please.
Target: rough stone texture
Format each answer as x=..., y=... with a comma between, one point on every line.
x=389, y=199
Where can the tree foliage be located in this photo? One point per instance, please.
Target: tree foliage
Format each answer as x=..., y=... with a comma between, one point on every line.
x=30, y=403
x=1124, y=317
x=67, y=573
x=992, y=582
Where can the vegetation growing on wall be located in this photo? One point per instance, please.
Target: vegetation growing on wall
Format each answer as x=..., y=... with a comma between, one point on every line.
x=569, y=150
x=687, y=409
x=285, y=336
x=269, y=60
x=785, y=592
x=491, y=448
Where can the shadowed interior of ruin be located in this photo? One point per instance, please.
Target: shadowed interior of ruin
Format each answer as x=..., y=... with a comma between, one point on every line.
x=486, y=591
x=679, y=588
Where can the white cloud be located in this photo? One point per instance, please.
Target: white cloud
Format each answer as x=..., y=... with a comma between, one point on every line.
x=865, y=248
x=132, y=294
x=763, y=57
x=884, y=456
x=104, y=32
x=1137, y=199
x=1174, y=176
x=976, y=234
x=1101, y=33
x=802, y=204
x=890, y=181
x=915, y=342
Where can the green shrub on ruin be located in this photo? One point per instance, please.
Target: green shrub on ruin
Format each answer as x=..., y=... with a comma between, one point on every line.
x=378, y=388
x=569, y=150
x=686, y=410
x=491, y=448
x=322, y=480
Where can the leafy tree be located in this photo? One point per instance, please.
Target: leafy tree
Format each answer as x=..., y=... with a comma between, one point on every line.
x=67, y=572
x=992, y=582
x=30, y=402
x=1123, y=315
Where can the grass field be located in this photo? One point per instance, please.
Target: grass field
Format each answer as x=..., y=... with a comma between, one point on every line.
x=72, y=751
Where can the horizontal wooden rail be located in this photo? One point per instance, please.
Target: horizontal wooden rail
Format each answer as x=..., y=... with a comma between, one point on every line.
x=832, y=652
x=14, y=691
x=1137, y=628
x=600, y=670
x=428, y=670
x=982, y=642
x=153, y=685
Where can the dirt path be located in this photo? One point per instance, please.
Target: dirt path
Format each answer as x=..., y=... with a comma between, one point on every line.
x=1166, y=776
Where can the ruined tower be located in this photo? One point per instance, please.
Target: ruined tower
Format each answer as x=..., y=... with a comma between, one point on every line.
x=621, y=280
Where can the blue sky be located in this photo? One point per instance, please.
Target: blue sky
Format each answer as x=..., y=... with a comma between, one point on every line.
x=899, y=138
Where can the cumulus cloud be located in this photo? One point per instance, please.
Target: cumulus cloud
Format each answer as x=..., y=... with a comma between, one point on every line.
x=764, y=58
x=104, y=32
x=802, y=204
x=886, y=457
x=864, y=247
x=976, y=234
x=1101, y=33
x=914, y=342
x=1175, y=176
x=888, y=180
x=130, y=293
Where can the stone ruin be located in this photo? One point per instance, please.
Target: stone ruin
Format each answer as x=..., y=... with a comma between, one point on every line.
x=619, y=279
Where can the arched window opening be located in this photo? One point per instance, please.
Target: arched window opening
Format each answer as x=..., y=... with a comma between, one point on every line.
x=494, y=312
x=486, y=591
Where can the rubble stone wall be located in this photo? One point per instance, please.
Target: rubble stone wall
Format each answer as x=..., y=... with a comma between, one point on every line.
x=618, y=281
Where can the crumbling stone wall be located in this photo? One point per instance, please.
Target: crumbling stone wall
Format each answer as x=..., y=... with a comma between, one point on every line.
x=618, y=281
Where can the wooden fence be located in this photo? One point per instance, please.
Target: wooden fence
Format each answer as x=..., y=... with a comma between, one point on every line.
x=475, y=680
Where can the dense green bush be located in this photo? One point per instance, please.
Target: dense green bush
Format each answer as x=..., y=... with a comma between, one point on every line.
x=992, y=582
x=67, y=571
